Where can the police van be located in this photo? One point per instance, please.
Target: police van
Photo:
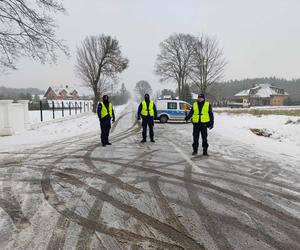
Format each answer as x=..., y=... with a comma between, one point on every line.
x=169, y=109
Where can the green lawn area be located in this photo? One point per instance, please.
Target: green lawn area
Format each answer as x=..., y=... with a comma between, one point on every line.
x=259, y=112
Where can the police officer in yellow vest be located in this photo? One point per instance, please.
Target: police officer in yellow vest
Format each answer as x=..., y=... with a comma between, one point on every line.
x=147, y=110
x=202, y=118
x=105, y=113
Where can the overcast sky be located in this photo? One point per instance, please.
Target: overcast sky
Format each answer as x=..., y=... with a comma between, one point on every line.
x=259, y=37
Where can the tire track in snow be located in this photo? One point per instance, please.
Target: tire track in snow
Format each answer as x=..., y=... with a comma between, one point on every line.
x=172, y=233
x=250, y=212
x=278, y=214
x=256, y=233
x=11, y=205
x=210, y=223
x=122, y=235
x=165, y=208
x=85, y=236
x=61, y=228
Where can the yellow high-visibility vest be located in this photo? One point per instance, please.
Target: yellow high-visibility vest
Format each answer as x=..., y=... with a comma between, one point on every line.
x=105, y=112
x=204, y=117
x=144, y=111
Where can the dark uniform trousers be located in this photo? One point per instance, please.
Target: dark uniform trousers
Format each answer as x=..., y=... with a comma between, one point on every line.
x=147, y=121
x=105, y=126
x=197, y=129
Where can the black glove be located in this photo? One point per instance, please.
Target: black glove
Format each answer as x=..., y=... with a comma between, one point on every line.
x=186, y=118
x=113, y=120
x=139, y=118
x=211, y=126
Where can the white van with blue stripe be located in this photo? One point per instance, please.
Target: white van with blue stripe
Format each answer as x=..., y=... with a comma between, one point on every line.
x=171, y=109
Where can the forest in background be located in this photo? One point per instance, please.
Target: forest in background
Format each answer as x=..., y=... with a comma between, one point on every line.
x=227, y=90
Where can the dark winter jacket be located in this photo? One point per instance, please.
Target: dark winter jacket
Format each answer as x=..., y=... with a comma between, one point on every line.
x=106, y=118
x=139, y=115
x=200, y=106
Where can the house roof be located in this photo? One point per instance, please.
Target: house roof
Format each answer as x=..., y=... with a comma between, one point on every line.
x=262, y=91
x=58, y=90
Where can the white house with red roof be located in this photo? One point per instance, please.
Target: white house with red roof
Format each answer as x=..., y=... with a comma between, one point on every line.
x=61, y=93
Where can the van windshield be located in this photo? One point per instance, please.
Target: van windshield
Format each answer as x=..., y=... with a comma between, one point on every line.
x=181, y=105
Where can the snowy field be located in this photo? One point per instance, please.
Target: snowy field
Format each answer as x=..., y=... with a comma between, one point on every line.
x=285, y=130
x=259, y=108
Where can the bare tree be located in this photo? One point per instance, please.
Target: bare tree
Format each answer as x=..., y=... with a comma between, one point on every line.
x=175, y=59
x=156, y=95
x=99, y=61
x=28, y=29
x=208, y=63
x=168, y=92
x=187, y=95
x=142, y=88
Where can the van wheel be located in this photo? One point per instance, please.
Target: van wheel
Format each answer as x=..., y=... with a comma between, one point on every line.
x=163, y=119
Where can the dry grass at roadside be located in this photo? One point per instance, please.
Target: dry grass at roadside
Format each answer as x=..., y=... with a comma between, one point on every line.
x=259, y=112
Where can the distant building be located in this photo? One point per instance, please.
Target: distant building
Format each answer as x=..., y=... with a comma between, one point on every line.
x=61, y=93
x=263, y=95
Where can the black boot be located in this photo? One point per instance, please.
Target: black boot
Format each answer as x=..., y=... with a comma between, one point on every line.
x=194, y=153
x=143, y=141
x=152, y=140
x=205, y=152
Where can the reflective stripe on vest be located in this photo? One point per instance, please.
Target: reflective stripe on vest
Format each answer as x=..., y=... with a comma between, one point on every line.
x=104, y=111
x=144, y=111
x=204, y=113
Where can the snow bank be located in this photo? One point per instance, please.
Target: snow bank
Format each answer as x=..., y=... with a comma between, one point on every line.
x=54, y=130
x=285, y=138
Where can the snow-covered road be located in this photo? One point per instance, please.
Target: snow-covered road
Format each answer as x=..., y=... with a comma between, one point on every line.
x=78, y=195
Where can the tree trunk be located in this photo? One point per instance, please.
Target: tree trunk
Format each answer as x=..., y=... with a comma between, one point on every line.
x=182, y=89
x=96, y=100
x=179, y=89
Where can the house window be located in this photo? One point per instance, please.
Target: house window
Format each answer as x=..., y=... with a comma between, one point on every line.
x=172, y=105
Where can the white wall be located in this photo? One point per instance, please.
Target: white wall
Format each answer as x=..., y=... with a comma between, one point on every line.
x=14, y=117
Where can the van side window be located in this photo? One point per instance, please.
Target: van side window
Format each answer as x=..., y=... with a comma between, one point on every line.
x=172, y=105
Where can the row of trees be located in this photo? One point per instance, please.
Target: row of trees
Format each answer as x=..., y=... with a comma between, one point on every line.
x=29, y=29
x=186, y=93
x=141, y=88
x=190, y=60
x=227, y=90
x=121, y=97
x=20, y=94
